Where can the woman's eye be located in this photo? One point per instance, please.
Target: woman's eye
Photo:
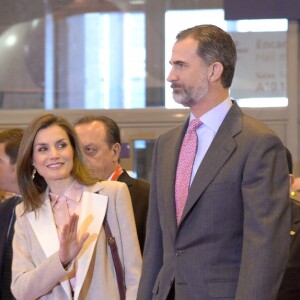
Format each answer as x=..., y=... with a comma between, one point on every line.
x=41, y=149
x=62, y=145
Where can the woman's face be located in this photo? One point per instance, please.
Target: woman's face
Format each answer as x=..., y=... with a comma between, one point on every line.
x=53, y=154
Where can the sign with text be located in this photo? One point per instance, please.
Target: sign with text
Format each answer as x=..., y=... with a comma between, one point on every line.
x=261, y=65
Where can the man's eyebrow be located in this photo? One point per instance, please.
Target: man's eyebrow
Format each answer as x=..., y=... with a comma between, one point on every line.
x=177, y=62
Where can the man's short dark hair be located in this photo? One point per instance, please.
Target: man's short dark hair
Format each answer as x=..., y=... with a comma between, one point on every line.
x=113, y=135
x=214, y=45
x=12, y=140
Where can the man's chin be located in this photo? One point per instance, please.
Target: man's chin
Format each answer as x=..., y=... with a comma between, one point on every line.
x=180, y=100
x=94, y=174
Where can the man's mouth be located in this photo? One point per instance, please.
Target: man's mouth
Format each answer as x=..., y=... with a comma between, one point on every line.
x=175, y=86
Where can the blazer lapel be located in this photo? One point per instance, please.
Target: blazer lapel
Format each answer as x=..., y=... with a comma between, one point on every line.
x=88, y=222
x=218, y=153
x=93, y=211
x=43, y=223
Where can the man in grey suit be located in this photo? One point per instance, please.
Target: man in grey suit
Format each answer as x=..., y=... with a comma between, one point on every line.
x=232, y=239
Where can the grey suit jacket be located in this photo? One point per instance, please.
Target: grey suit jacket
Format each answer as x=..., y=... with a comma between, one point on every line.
x=37, y=271
x=233, y=239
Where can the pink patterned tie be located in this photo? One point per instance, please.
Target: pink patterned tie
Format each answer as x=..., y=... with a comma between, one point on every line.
x=185, y=166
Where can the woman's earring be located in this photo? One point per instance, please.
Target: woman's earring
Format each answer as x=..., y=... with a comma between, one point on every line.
x=33, y=173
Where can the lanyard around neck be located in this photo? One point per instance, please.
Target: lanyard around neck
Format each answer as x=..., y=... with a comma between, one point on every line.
x=116, y=174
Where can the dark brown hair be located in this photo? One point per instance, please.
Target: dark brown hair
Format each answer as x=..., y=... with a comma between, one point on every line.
x=32, y=189
x=113, y=135
x=214, y=45
x=12, y=139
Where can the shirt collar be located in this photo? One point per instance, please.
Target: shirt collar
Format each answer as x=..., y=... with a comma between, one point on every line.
x=73, y=193
x=214, y=118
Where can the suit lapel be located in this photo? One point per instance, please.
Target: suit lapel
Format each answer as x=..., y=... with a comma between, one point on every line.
x=170, y=160
x=295, y=221
x=124, y=177
x=91, y=218
x=6, y=212
x=218, y=153
x=6, y=209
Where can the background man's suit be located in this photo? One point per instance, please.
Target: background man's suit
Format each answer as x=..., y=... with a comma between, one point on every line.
x=233, y=238
x=139, y=192
x=6, y=223
x=290, y=286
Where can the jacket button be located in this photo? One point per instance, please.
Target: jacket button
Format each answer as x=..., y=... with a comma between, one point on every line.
x=178, y=253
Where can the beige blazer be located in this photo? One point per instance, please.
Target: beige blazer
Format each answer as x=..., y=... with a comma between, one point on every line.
x=36, y=270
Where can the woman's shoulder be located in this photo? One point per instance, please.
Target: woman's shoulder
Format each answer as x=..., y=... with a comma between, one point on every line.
x=19, y=209
x=106, y=185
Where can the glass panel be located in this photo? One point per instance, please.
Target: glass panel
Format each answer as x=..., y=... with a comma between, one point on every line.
x=22, y=65
x=92, y=54
x=107, y=67
x=84, y=54
x=142, y=155
x=260, y=76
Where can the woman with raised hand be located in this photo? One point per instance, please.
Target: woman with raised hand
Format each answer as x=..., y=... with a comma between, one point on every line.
x=60, y=248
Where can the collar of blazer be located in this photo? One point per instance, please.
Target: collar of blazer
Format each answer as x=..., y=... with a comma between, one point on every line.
x=92, y=214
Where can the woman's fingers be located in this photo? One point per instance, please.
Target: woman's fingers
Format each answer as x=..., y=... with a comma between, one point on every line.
x=71, y=243
x=84, y=237
x=73, y=223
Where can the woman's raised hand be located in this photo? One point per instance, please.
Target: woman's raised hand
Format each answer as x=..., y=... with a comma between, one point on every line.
x=70, y=244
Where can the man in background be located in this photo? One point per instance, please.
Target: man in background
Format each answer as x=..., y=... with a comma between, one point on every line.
x=10, y=140
x=4, y=195
x=296, y=185
x=101, y=141
x=290, y=286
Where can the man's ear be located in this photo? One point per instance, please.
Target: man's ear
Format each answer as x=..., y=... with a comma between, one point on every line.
x=215, y=71
x=116, y=148
x=292, y=179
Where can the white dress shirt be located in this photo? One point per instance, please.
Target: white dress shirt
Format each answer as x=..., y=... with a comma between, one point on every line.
x=212, y=121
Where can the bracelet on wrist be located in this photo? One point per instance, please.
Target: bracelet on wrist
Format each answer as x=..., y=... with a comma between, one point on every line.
x=67, y=265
